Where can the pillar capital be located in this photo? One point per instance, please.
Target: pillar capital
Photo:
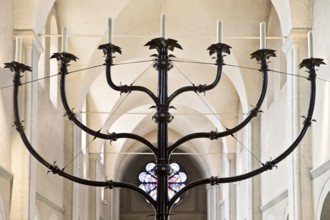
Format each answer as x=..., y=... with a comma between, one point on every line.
x=95, y=156
x=230, y=156
x=29, y=39
x=296, y=38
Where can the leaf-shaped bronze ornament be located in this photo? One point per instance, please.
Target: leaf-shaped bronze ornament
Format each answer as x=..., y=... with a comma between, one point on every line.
x=67, y=56
x=171, y=44
x=155, y=43
x=219, y=47
x=16, y=66
x=109, y=48
x=158, y=43
x=263, y=54
x=308, y=63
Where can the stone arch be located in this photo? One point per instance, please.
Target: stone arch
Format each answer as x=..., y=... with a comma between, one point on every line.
x=293, y=14
x=145, y=127
x=232, y=76
x=42, y=10
x=283, y=10
x=131, y=201
x=323, y=205
x=325, y=213
x=32, y=14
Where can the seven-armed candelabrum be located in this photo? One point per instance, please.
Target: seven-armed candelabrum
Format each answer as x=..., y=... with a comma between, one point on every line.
x=162, y=151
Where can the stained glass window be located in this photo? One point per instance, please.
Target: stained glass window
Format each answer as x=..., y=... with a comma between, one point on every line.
x=176, y=180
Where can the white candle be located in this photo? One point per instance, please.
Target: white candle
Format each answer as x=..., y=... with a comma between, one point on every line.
x=109, y=30
x=219, y=38
x=64, y=39
x=17, y=49
x=262, y=30
x=162, y=25
x=310, y=44
x=20, y=40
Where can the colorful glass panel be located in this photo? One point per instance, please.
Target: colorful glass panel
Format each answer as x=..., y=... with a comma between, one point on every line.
x=148, y=180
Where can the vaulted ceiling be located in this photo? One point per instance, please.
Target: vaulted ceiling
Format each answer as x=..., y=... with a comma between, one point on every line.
x=193, y=24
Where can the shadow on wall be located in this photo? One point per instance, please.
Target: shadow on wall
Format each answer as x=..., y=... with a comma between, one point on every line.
x=2, y=209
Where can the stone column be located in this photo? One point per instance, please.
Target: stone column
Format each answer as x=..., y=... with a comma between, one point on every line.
x=94, y=194
x=221, y=203
x=70, y=188
x=256, y=142
x=24, y=202
x=211, y=202
x=232, y=187
x=223, y=190
x=31, y=55
x=115, y=204
x=300, y=161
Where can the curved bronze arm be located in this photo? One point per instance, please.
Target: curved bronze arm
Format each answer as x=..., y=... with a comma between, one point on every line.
x=310, y=64
x=20, y=68
x=65, y=58
x=262, y=56
x=108, y=50
x=219, y=49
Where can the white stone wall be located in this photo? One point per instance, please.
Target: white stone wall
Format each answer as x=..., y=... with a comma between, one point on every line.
x=6, y=36
x=6, y=55
x=320, y=170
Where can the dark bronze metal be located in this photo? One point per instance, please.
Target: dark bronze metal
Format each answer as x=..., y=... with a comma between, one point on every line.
x=162, y=151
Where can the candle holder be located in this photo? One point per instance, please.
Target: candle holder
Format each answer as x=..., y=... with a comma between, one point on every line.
x=162, y=151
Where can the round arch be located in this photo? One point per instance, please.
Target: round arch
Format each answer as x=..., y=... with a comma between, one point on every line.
x=290, y=14
x=323, y=206
x=38, y=11
x=131, y=201
x=283, y=11
x=146, y=128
